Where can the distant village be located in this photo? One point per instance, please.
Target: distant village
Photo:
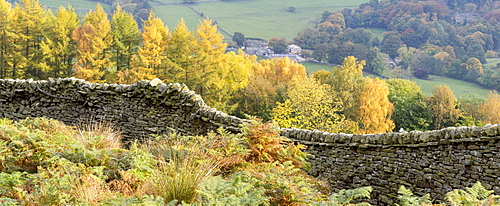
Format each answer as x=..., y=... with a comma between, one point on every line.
x=259, y=47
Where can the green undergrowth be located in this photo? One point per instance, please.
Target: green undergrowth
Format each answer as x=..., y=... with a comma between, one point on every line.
x=44, y=162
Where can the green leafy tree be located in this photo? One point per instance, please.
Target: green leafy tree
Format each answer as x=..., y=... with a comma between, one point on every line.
x=126, y=38
x=410, y=110
x=239, y=38
x=278, y=45
x=346, y=84
x=391, y=43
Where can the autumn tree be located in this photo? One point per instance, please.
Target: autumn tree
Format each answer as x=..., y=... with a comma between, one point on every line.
x=6, y=37
x=58, y=46
x=474, y=69
x=323, y=76
x=410, y=110
x=93, y=40
x=347, y=82
x=375, y=110
x=199, y=60
x=31, y=28
x=151, y=56
x=267, y=85
x=181, y=56
x=443, y=107
x=311, y=106
x=490, y=109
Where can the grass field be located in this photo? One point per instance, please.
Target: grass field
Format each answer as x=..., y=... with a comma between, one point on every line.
x=461, y=89
x=492, y=62
x=377, y=32
x=256, y=18
x=314, y=67
x=81, y=6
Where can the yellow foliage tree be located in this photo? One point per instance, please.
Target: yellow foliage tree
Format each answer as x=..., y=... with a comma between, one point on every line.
x=280, y=70
x=443, y=106
x=152, y=53
x=93, y=40
x=347, y=82
x=151, y=60
x=310, y=105
x=57, y=46
x=490, y=109
x=375, y=109
x=268, y=81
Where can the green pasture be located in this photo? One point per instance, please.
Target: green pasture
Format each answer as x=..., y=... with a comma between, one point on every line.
x=254, y=18
x=312, y=67
x=172, y=14
x=81, y=6
x=461, y=89
x=377, y=32
x=258, y=18
x=492, y=62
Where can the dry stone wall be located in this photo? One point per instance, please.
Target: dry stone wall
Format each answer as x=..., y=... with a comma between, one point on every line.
x=432, y=162
x=137, y=110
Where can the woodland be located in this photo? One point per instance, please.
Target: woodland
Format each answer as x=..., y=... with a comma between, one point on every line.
x=445, y=38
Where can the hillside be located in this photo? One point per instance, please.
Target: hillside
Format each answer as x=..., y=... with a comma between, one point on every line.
x=254, y=18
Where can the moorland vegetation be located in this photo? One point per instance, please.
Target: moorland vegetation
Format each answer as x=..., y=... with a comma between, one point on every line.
x=35, y=43
x=44, y=162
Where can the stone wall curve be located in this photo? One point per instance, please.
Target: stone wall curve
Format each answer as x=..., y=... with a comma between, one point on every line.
x=432, y=162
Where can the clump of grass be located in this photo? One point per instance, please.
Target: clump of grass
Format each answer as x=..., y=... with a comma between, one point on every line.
x=99, y=135
x=182, y=166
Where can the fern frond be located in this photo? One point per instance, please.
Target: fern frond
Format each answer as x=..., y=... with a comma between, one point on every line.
x=344, y=197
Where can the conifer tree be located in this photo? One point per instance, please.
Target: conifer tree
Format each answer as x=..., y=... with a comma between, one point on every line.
x=126, y=39
x=152, y=54
x=93, y=40
x=209, y=53
x=181, y=50
x=58, y=47
x=6, y=38
x=31, y=25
